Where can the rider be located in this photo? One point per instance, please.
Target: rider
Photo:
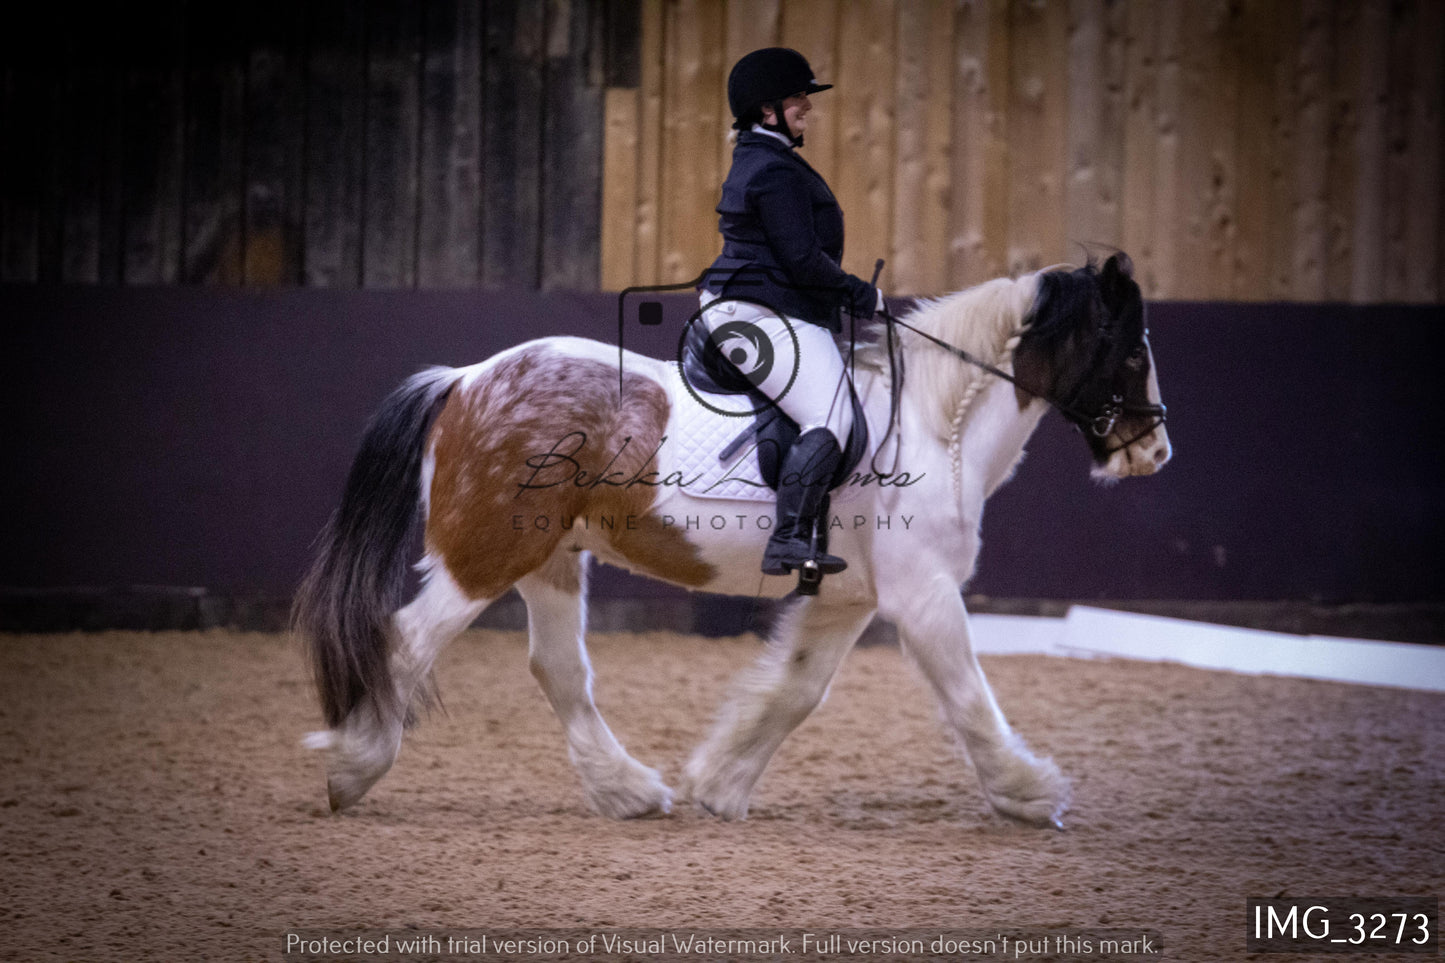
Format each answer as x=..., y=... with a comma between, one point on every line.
x=782, y=243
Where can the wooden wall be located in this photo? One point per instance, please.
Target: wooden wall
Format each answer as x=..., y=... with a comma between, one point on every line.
x=1238, y=149
x=333, y=143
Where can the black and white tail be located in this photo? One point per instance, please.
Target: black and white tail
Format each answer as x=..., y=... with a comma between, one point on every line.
x=344, y=606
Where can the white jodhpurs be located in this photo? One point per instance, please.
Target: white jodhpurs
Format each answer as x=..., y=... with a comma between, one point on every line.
x=794, y=363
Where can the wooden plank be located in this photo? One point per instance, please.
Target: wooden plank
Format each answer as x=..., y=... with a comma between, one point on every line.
x=20, y=174
x=1205, y=218
x=1259, y=49
x=335, y=138
x=81, y=167
x=1139, y=220
x=1440, y=211
x=647, y=226
x=1397, y=163
x=1222, y=113
x=1341, y=159
x=749, y=25
x=868, y=52
x=511, y=219
x=29, y=111
x=1368, y=73
x=392, y=128
x=1094, y=177
x=1169, y=109
x=921, y=174
x=112, y=138
x=50, y=138
x=695, y=87
x=1311, y=104
x=153, y=159
x=450, y=162
x=275, y=138
x=215, y=147
x=619, y=189
x=811, y=28
x=624, y=43
x=1086, y=110
x=1283, y=174
x=1423, y=227
x=979, y=153
x=1038, y=105
x=572, y=148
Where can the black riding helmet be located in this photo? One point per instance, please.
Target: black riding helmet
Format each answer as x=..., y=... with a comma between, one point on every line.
x=768, y=77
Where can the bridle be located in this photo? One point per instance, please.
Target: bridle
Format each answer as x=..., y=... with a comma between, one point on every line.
x=1100, y=422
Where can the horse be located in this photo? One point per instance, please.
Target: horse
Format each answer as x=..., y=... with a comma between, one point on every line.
x=516, y=470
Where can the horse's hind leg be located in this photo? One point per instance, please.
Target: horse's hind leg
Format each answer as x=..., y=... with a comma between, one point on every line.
x=362, y=750
x=769, y=701
x=615, y=784
x=933, y=627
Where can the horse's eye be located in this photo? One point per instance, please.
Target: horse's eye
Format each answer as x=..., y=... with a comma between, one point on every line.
x=1135, y=361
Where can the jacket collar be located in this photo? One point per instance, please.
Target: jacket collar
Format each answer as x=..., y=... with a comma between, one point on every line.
x=760, y=129
x=756, y=138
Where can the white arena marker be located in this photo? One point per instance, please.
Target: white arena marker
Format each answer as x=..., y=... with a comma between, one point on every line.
x=1016, y=635
x=1103, y=632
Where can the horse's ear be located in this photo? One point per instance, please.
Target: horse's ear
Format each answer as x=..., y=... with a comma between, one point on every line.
x=1116, y=279
x=1119, y=264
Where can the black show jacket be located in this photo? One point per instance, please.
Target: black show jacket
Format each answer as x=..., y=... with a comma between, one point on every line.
x=782, y=234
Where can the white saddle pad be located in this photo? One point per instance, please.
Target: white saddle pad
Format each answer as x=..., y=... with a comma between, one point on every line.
x=696, y=435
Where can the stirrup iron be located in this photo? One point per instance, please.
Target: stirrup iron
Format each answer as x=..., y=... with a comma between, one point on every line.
x=810, y=576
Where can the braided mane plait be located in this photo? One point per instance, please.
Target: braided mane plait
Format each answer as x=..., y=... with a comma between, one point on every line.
x=985, y=320
x=1004, y=362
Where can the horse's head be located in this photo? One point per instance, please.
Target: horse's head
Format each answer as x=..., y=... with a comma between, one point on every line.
x=1086, y=347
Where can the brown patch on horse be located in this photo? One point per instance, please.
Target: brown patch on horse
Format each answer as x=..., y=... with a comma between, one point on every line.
x=536, y=451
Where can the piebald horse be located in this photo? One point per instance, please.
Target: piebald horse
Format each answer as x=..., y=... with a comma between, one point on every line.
x=520, y=467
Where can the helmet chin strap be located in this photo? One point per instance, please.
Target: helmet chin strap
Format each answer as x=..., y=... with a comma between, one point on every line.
x=781, y=124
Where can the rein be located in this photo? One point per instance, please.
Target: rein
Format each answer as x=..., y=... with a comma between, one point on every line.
x=1101, y=424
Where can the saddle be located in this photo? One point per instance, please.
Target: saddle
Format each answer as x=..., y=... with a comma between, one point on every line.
x=772, y=431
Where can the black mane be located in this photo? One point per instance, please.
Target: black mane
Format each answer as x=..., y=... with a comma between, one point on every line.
x=1065, y=299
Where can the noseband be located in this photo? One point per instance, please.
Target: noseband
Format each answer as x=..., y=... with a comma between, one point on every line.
x=1102, y=424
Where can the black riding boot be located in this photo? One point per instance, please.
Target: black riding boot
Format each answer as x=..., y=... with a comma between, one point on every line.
x=803, y=482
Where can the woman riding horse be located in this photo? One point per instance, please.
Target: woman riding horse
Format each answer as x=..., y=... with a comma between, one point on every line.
x=782, y=234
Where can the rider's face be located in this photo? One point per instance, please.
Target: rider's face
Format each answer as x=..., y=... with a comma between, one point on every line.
x=795, y=112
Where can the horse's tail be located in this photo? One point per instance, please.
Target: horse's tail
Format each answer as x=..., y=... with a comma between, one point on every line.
x=344, y=605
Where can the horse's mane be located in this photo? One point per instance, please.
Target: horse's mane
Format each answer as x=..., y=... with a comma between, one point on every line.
x=985, y=320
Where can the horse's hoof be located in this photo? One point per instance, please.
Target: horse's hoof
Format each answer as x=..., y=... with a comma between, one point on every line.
x=661, y=811
x=726, y=810
x=633, y=792
x=345, y=796
x=704, y=807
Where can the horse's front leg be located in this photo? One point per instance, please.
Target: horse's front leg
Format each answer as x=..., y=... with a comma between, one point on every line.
x=769, y=700
x=933, y=627
x=616, y=785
